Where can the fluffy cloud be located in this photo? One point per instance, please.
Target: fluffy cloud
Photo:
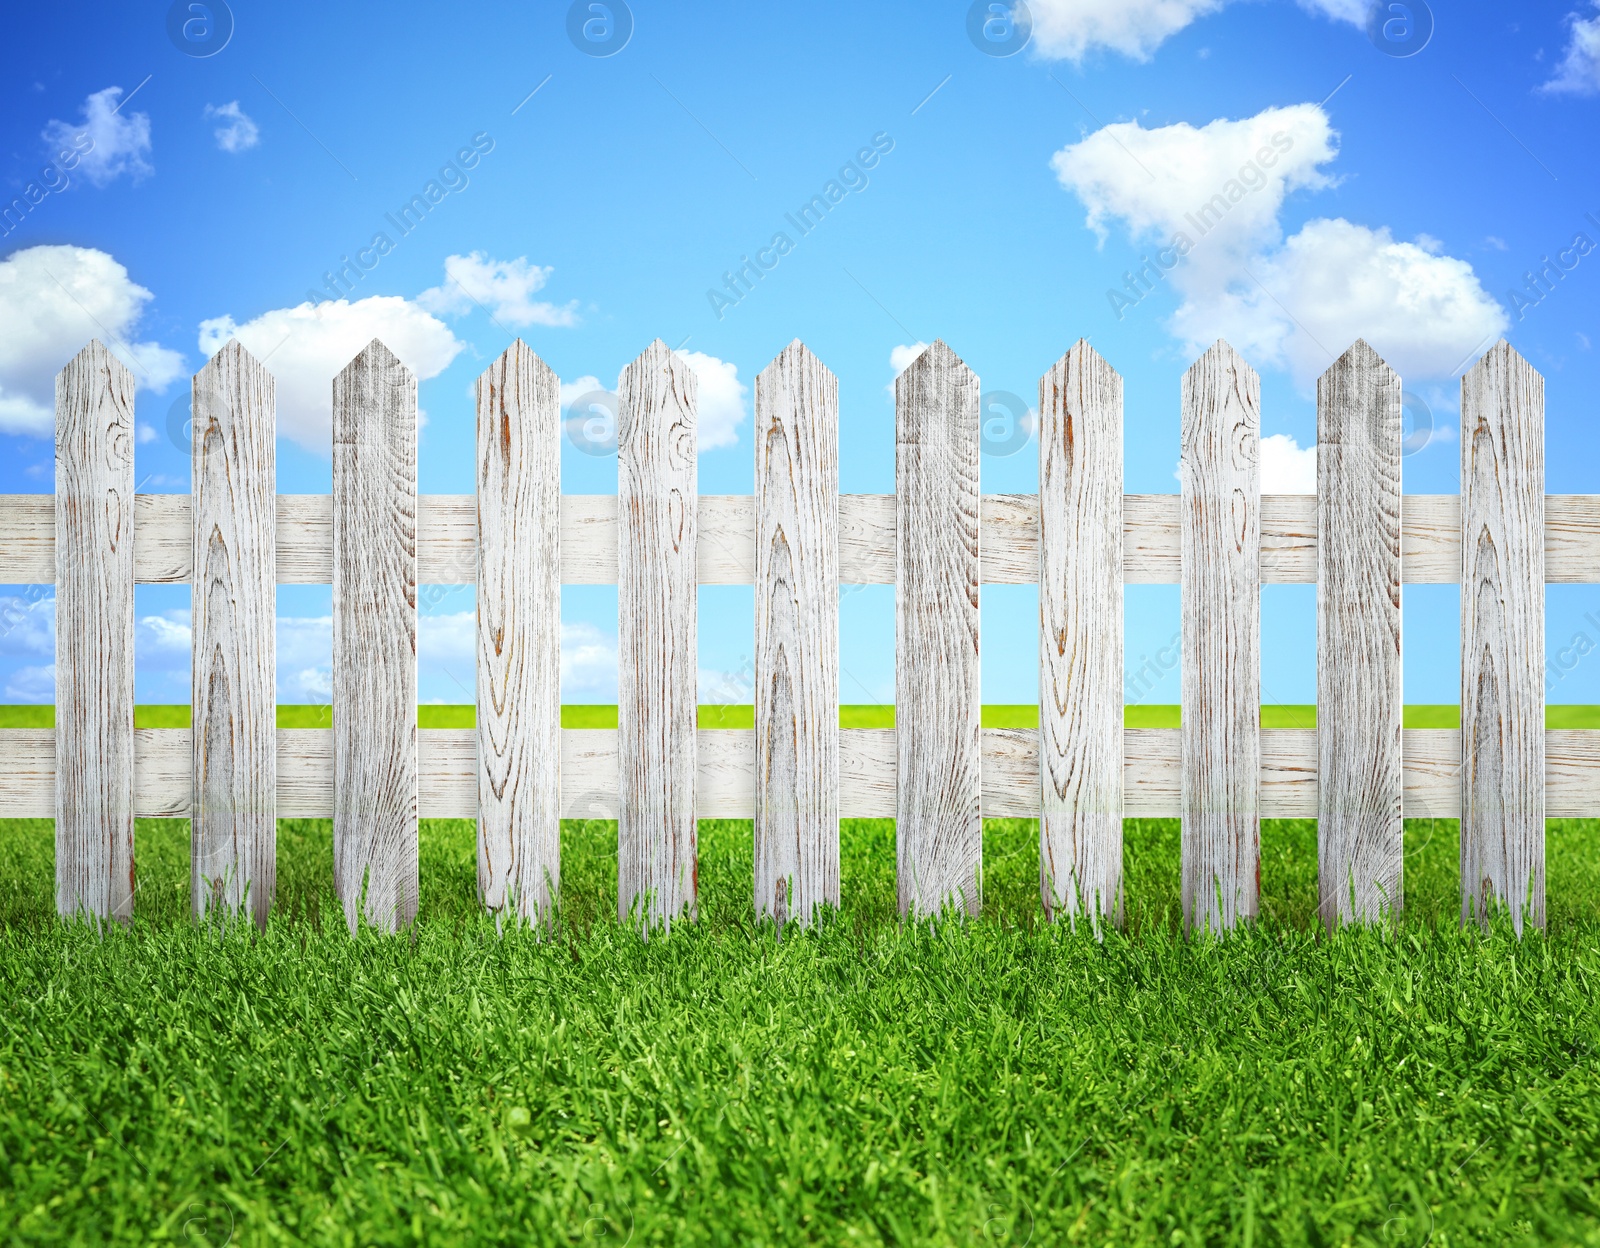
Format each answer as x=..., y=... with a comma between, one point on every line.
x=449, y=638
x=504, y=287
x=305, y=658
x=1352, y=11
x=304, y=347
x=1222, y=185
x=588, y=663
x=32, y=684
x=903, y=357
x=720, y=397
x=53, y=300
x=239, y=133
x=1579, y=71
x=1286, y=466
x=721, y=400
x=1210, y=201
x=1334, y=282
x=1069, y=29
x=28, y=628
x=118, y=143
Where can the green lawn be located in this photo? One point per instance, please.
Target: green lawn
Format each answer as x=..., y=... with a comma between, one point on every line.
x=989, y=1081
x=583, y=715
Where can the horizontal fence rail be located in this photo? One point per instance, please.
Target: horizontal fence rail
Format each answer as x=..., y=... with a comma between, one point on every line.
x=796, y=540
x=726, y=773
x=1008, y=543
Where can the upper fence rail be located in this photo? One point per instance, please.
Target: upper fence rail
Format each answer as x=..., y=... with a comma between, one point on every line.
x=1009, y=540
x=796, y=540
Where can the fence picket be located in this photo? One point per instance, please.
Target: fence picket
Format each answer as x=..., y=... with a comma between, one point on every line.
x=1502, y=638
x=657, y=663
x=1360, y=828
x=375, y=639
x=94, y=637
x=1221, y=625
x=234, y=824
x=1080, y=637
x=797, y=637
x=519, y=634
x=938, y=825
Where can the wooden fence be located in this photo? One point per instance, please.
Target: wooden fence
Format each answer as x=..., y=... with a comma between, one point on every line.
x=937, y=773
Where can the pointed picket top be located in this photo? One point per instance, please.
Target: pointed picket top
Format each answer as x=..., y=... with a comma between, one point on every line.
x=96, y=356
x=1504, y=357
x=795, y=356
x=513, y=362
x=937, y=355
x=1084, y=356
x=374, y=355
x=1359, y=356
x=1220, y=353
x=233, y=351
x=232, y=358
x=518, y=355
x=653, y=375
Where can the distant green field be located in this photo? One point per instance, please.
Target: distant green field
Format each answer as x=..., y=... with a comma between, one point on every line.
x=584, y=715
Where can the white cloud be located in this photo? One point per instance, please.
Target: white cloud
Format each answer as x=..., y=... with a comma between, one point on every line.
x=572, y=391
x=1070, y=29
x=28, y=629
x=721, y=400
x=1211, y=203
x=1579, y=71
x=903, y=357
x=1424, y=314
x=146, y=434
x=305, y=658
x=1286, y=466
x=588, y=662
x=900, y=359
x=240, y=133
x=504, y=287
x=53, y=300
x=117, y=143
x=451, y=638
x=32, y=684
x=1221, y=186
x=164, y=640
x=1352, y=11
x=304, y=347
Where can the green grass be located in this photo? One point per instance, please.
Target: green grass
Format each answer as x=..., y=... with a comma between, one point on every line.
x=584, y=715
x=988, y=1081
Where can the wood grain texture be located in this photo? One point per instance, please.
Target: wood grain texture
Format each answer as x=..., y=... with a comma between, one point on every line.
x=94, y=637
x=1220, y=470
x=1430, y=539
x=1080, y=638
x=797, y=637
x=1502, y=638
x=938, y=826
x=519, y=635
x=657, y=667
x=375, y=640
x=1152, y=773
x=1360, y=827
x=234, y=826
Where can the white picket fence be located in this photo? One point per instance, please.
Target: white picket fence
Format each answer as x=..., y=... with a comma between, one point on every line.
x=797, y=774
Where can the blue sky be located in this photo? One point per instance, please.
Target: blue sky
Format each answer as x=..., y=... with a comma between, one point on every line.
x=589, y=204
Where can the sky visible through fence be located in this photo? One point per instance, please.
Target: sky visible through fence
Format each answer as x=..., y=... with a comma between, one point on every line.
x=1148, y=183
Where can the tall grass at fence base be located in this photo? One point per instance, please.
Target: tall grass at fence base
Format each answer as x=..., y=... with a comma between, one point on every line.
x=993, y=1081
